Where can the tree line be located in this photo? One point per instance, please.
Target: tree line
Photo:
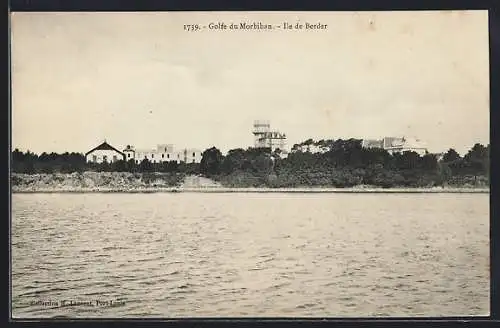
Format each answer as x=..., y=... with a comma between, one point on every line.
x=344, y=163
x=30, y=163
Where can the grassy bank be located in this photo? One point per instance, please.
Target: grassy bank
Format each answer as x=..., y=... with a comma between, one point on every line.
x=123, y=182
x=94, y=181
x=350, y=179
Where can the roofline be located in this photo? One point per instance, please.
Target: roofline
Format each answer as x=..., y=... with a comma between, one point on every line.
x=113, y=148
x=402, y=147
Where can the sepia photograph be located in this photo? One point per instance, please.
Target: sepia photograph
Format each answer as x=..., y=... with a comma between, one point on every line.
x=250, y=164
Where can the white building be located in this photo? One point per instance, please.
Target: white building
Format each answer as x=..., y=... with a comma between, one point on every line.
x=190, y=155
x=104, y=153
x=129, y=153
x=264, y=137
x=397, y=145
x=314, y=149
x=370, y=143
x=163, y=153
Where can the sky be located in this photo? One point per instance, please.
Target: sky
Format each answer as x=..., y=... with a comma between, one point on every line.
x=141, y=79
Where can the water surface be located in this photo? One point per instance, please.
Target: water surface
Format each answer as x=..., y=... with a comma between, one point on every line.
x=188, y=254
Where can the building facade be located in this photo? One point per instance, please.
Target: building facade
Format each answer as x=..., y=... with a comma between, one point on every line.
x=264, y=137
x=397, y=145
x=104, y=153
x=191, y=155
x=163, y=153
x=313, y=149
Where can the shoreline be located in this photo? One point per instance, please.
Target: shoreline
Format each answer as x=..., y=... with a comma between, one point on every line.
x=113, y=182
x=452, y=190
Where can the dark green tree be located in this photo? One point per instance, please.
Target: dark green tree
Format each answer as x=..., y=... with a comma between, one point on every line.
x=477, y=160
x=451, y=156
x=429, y=163
x=211, y=162
x=262, y=165
x=234, y=160
x=145, y=166
x=308, y=142
x=119, y=166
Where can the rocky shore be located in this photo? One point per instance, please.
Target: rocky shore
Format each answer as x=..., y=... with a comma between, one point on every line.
x=94, y=182
x=124, y=182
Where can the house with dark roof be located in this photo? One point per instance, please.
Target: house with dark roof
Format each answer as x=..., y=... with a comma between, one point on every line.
x=104, y=153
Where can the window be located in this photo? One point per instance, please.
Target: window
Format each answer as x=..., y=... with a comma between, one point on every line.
x=168, y=155
x=136, y=161
x=128, y=155
x=193, y=160
x=194, y=154
x=104, y=158
x=152, y=155
x=94, y=158
x=162, y=155
x=114, y=158
x=165, y=149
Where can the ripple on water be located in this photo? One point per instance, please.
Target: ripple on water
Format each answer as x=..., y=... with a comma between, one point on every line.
x=213, y=254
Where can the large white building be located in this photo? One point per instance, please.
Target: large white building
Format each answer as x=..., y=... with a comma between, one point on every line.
x=163, y=153
x=397, y=145
x=264, y=137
